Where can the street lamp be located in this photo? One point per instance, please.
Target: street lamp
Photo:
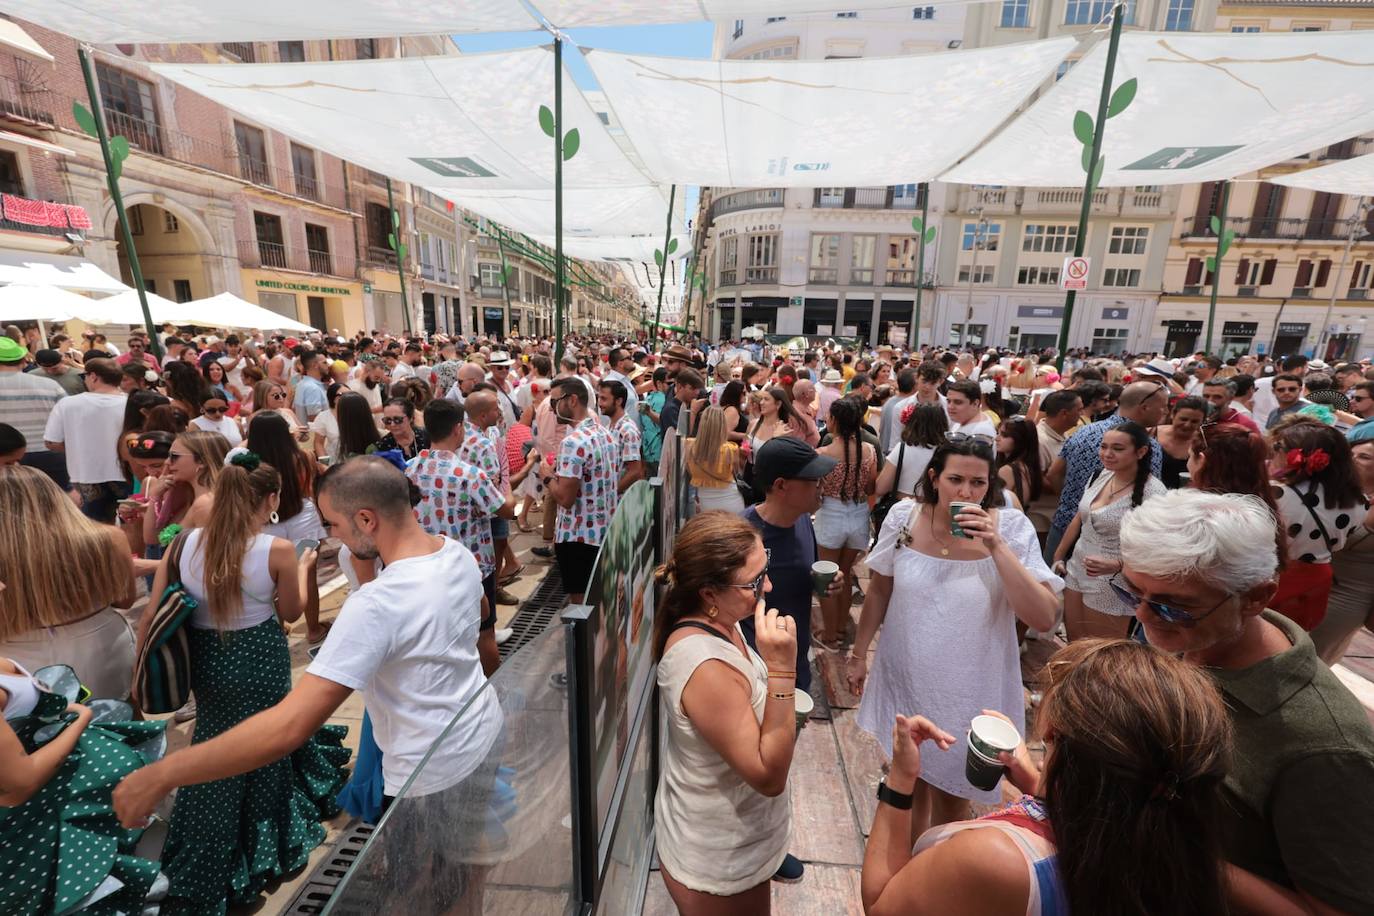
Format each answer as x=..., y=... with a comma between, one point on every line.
x=1355, y=232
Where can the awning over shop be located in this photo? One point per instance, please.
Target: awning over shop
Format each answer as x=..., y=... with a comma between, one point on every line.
x=1208, y=107
x=843, y=123
x=1349, y=176
x=63, y=271
x=229, y=311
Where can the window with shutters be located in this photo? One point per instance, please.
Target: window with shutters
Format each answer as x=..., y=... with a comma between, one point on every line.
x=1207, y=197
x=1361, y=276
x=1323, y=273
x=1324, y=220
x=1248, y=272
x=271, y=244
x=1304, y=277
x=1265, y=220
x=1193, y=276
x=130, y=107
x=252, y=148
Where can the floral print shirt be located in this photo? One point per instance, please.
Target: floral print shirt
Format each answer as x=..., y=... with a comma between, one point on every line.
x=588, y=453
x=627, y=437
x=457, y=500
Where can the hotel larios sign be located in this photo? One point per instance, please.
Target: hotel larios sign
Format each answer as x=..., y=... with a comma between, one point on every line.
x=305, y=288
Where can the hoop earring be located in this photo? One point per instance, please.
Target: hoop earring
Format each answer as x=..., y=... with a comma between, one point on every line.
x=712, y=611
x=273, y=517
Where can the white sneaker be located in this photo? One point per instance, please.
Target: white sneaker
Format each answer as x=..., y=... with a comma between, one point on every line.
x=503, y=634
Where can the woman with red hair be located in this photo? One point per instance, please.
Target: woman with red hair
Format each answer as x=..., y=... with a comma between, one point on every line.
x=1232, y=458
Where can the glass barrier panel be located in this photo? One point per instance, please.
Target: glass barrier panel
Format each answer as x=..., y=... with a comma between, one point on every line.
x=484, y=825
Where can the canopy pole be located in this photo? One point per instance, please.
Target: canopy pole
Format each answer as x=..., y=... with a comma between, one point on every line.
x=1099, y=126
x=1222, y=201
x=505, y=279
x=663, y=262
x=915, y=342
x=692, y=279
x=398, y=246
x=558, y=198
x=112, y=182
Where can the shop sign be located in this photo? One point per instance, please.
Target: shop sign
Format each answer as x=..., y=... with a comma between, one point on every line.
x=1184, y=327
x=1293, y=328
x=1115, y=313
x=305, y=287
x=1239, y=329
x=1040, y=311
x=494, y=314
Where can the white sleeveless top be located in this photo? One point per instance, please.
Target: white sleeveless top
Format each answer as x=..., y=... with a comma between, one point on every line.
x=256, y=581
x=716, y=833
x=22, y=693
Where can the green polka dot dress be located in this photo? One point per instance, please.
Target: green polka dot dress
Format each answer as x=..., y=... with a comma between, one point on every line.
x=230, y=837
x=65, y=843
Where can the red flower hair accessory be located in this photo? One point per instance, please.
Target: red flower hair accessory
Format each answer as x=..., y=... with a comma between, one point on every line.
x=1313, y=462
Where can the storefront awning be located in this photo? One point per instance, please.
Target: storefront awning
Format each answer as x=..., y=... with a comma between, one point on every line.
x=63, y=271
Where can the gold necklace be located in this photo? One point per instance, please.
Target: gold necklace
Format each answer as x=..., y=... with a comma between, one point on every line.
x=944, y=551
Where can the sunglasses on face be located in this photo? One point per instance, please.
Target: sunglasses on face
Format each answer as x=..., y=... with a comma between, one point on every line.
x=1166, y=612
x=975, y=438
x=393, y=421
x=213, y=411
x=756, y=585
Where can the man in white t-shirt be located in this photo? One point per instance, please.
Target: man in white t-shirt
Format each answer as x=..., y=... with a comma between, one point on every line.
x=964, y=403
x=86, y=428
x=407, y=640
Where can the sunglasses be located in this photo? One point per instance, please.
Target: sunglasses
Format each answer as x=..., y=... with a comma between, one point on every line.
x=975, y=438
x=756, y=585
x=393, y=421
x=1166, y=612
x=213, y=411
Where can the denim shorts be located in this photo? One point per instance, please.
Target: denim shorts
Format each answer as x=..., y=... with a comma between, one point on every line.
x=840, y=523
x=500, y=527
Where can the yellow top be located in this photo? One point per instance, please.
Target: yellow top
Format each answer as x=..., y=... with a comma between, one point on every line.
x=721, y=475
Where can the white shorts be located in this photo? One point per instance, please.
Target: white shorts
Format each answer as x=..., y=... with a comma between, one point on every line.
x=840, y=524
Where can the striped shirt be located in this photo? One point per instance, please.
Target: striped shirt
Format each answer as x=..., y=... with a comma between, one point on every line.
x=26, y=400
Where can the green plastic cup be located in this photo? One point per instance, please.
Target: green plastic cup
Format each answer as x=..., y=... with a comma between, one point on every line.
x=823, y=572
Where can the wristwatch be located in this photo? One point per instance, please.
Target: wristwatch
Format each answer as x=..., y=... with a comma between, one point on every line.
x=899, y=800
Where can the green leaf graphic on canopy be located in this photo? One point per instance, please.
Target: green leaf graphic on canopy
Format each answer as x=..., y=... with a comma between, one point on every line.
x=546, y=120
x=927, y=235
x=1122, y=98
x=571, y=141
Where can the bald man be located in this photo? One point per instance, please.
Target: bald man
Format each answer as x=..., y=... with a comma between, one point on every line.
x=804, y=406
x=1145, y=403
x=469, y=377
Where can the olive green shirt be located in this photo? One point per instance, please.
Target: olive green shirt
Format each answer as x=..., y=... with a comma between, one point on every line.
x=1298, y=804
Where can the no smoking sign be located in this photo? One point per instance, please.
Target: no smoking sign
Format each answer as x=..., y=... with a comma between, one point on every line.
x=1075, y=273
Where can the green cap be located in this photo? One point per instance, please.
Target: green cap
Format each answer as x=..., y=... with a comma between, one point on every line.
x=11, y=352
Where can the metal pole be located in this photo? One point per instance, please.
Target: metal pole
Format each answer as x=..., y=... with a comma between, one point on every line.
x=1100, y=125
x=98, y=114
x=915, y=342
x=972, y=275
x=1325, y=336
x=1222, y=201
x=663, y=262
x=558, y=197
x=400, y=260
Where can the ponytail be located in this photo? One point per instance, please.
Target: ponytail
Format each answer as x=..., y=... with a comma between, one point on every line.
x=239, y=493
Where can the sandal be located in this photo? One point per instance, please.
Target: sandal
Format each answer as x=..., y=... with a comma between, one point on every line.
x=510, y=577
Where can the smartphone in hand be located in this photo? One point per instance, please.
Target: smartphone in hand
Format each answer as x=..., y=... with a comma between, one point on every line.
x=305, y=544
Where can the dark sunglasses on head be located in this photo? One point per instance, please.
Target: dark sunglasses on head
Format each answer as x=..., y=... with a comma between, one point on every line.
x=1166, y=612
x=975, y=438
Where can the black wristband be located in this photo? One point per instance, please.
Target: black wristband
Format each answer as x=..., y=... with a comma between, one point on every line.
x=894, y=799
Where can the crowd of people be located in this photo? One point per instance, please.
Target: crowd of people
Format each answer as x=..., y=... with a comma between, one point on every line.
x=1196, y=530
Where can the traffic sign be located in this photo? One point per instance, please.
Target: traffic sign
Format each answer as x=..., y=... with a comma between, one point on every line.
x=1075, y=273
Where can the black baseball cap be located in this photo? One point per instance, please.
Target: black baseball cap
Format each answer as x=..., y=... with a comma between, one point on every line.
x=788, y=458
x=48, y=358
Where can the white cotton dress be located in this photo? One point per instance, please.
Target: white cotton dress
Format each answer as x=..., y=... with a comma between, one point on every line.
x=948, y=645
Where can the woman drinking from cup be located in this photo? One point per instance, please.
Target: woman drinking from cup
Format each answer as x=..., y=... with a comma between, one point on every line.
x=722, y=811
x=1090, y=552
x=952, y=573
x=1123, y=819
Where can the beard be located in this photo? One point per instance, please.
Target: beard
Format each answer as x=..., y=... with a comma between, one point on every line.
x=371, y=383
x=362, y=546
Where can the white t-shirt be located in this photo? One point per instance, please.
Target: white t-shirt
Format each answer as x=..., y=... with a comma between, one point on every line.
x=403, y=370
x=373, y=395
x=234, y=375
x=327, y=425
x=979, y=427
x=225, y=426
x=914, y=464
x=89, y=424
x=408, y=641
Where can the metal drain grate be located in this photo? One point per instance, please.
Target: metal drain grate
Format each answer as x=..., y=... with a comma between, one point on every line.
x=536, y=612
x=324, y=880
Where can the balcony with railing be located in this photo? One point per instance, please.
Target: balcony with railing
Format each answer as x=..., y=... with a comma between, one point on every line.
x=826, y=276
x=870, y=198
x=757, y=199
x=39, y=217
x=379, y=256
x=901, y=278
x=1277, y=228
x=728, y=277
x=860, y=276
x=241, y=51
x=760, y=275
x=1058, y=200
x=25, y=102
x=272, y=255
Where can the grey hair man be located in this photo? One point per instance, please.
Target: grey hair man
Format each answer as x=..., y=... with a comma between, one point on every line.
x=1298, y=833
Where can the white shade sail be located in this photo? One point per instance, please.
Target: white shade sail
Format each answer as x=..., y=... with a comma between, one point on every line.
x=20, y=302
x=587, y=214
x=63, y=271
x=124, y=308
x=110, y=21
x=1349, y=176
x=229, y=311
x=880, y=121
x=468, y=122
x=1208, y=107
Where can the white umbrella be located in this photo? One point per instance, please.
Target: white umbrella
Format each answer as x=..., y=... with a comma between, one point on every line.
x=19, y=302
x=229, y=311
x=124, y=308
x=751, y=331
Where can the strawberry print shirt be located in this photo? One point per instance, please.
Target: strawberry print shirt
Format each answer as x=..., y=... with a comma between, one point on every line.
x=588, y=453
x=458, y=501
x=627, y=439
